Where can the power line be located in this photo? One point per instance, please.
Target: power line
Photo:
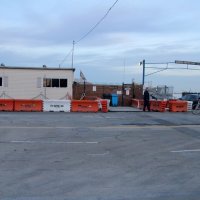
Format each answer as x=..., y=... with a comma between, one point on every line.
x=66, y=57
x=85, y=35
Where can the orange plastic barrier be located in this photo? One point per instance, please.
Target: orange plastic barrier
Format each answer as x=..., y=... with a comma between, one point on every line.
x=178, y=106
x=159, y=106
x=6, y=105
x=84, y=106
x=27, y=105
x=141, y=104
x=135, y=103
x=104, y=104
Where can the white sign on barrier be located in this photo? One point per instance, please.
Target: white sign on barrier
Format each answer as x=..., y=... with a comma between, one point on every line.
x=189, y=105
x=56, y=105
x=108, y=103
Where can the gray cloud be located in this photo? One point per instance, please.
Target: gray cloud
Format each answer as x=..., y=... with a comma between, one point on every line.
x=33, y=33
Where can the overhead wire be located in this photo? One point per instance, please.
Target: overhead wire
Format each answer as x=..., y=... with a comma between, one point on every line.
x=85, y=35
x=92, y=29
x=66, y=57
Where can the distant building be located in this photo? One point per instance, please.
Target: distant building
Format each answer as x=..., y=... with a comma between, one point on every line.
x=124, y=92
x=36, y=83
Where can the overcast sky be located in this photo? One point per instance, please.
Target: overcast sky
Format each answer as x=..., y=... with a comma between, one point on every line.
x=34, y=33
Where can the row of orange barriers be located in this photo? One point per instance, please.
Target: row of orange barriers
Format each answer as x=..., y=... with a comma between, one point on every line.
x=20, y=105
x=162, y=106
x=37, y=105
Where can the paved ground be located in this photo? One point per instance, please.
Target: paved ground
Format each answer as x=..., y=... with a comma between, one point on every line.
x=124, y=109
x=102, y=156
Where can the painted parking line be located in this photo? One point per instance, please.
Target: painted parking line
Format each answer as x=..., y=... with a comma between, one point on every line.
x=98, y=154
x=37, y=127
x=49, y=142
x=127, y=126
x=158, y=126
x=183, y=151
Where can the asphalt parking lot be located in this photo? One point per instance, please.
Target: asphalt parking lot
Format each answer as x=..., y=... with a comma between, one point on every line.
x=99, y=156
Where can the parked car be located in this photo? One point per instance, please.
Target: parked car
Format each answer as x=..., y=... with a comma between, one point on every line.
x=191, y=97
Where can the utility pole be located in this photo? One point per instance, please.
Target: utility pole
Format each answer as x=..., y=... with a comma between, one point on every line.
x=73, y=54
x=84, y=87
x=143, y=74
x=123, y=94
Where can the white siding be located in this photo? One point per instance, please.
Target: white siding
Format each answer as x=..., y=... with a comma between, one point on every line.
x=28, y=83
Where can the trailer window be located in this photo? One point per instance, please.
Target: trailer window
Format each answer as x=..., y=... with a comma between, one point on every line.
x=63, y=83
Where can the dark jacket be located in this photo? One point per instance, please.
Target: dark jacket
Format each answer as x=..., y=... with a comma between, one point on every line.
x=146, y=95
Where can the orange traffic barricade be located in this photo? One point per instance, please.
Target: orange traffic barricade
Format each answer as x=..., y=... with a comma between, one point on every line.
x=84, y=106
x=141, y=104
x=171, y=101
x=159, y=106
x=6, y=104
x=104, y=105
x=27, y=105
x=135, y=103
x=178, y=106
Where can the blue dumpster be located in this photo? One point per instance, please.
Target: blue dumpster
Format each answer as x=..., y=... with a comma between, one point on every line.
x=114, y=100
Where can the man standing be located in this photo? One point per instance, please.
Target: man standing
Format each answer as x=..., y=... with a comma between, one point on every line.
x=146, y=100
